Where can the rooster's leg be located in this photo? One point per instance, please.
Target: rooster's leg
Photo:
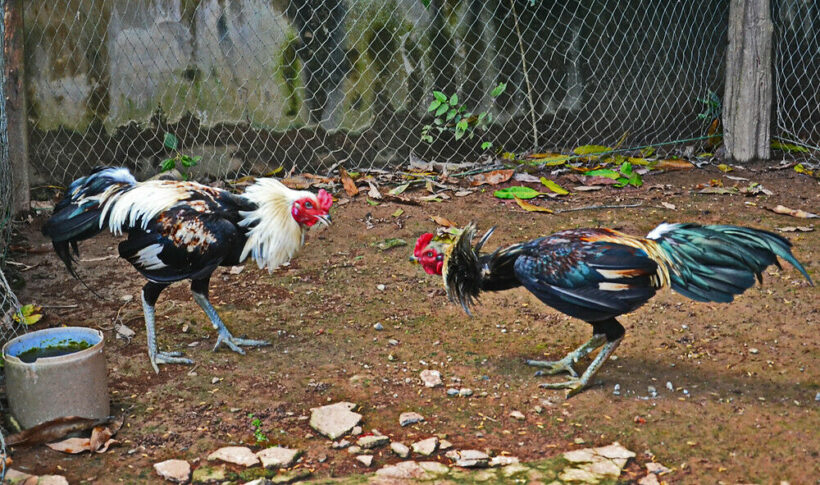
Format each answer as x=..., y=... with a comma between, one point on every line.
x=200, y=291
x=614, y=333
x=565, y=364
x=150, y=293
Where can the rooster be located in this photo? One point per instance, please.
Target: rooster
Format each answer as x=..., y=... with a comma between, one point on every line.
x=184, y=230
x=598, y=274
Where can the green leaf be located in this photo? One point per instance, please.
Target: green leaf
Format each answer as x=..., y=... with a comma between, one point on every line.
x=372, y=202
x=454, y=100
x=170, y=141
x=626, y=169
x=519, y=191
x=553, y=186
x=591, y=149
x=167, y=164
x=434, y=105
x=788, y=147
x=426, y=3
x=461, y=128
x=498, y=90
x=635, y=180
x=451, y=114
x=401, y=188
x=612, y=174
x=442, y=109
x=441, y=97
x=486, y=145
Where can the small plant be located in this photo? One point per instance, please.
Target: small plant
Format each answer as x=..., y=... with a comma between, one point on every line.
x=258, y=434
x=450, y=115
x=713, y=106
x=185, y=161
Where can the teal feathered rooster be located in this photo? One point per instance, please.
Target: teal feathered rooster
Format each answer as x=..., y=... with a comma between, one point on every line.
x=598, y=274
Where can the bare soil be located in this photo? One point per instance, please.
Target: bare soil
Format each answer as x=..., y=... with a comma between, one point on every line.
x=744, y=375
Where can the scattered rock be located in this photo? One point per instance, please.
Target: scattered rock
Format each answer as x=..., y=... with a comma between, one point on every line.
x=431, y=378
x=380, y=287
x=650, y=479
x=656, y=468
x=378, y=326
x=341, y=444
x=469, y=458
x=400, y=449
x=124, y=332
x=366, y=460
x=16, y=477
x=354, y=450
x=178, y=471
x=591, y=465
x=411, y=470
x=392, y=342
x=670, y=386
x=452, y=391
x=238, y=455
x=278, y=457
x=209, y=474
x=444, y=445
x=290, y=476
x=652, y=391
x=503, y=461
x=617, y=390
x=369, y=442
x=356, y=431
x=409, y=418
x=754, y=351
x=334, y=420
x=518, y=415
x=51, y=480
x=425, y=447
x=465, y=392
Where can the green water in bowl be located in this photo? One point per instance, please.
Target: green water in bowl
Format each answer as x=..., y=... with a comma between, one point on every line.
x=64, y=347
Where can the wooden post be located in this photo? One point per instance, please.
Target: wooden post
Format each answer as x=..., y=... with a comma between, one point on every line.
x=747, y=105
x=16, y=105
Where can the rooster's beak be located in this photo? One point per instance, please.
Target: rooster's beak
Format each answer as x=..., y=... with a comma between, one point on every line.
x=325, y=219
x=414, y=260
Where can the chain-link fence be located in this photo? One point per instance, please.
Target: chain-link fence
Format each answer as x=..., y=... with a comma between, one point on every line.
x=251, y=85
x=797, y=72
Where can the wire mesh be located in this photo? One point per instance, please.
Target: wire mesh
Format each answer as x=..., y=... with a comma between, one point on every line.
x=797, y=74
x=251, y=85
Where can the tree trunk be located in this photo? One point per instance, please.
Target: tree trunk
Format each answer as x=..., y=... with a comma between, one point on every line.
x=747, y=106
x=16, y=105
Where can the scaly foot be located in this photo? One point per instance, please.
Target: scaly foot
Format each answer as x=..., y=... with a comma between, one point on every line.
x=552, y=367
x=167, y=358
x=234, y=343
x=573, y=386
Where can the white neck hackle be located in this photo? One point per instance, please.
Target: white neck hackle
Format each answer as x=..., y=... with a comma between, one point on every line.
x=275, y=236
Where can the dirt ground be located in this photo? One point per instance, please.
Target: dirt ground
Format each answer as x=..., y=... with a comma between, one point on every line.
x=744, y=375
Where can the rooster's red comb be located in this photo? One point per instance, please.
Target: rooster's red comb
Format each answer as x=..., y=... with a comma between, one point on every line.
x=325, y=200
x=421, y=243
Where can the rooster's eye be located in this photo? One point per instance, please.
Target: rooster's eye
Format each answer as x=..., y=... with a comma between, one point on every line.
x=308, y=205
x=429, y=254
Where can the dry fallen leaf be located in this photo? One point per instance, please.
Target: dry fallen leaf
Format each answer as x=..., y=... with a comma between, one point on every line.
x=373, y=193
x=71, y=445
x=297, y=182
x=794, y=212
x=529, y=207
x=668, y=205
x=51, y=430
x=443, y=221
x=491, y=178
x=671, y=164
x=796, y=229
x=347, y=182
x=587, y=188
x=462, y=193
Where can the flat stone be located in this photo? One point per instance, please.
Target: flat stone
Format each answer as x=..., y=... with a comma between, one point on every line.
x=178, y=471
x=515, y=469
x=340, y=445
x=465, y=392
x=369, y=442
x=354, y=449
x=403, y=470
x=444, y=445
x=472, y=459
x=366, y=460
x=434, y=467
x=650, y=479
x=409, y=418
x=334, y=420
x=209, y=474
x=503, y=460
x=425, y=447
x=518, y=415
x=400, y=449
x=52, y=480
x=15, y=477
x=238, y=455
x=578, y=475
x=431, y=378
x=290, y=476
x=603, y=468
x=656, y=468
x=278, y=457
x=615, y=450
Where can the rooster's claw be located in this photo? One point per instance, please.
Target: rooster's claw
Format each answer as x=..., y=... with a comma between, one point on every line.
x=573, y=386
x=167, y=358
x=234, y=343
x=553, y=367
